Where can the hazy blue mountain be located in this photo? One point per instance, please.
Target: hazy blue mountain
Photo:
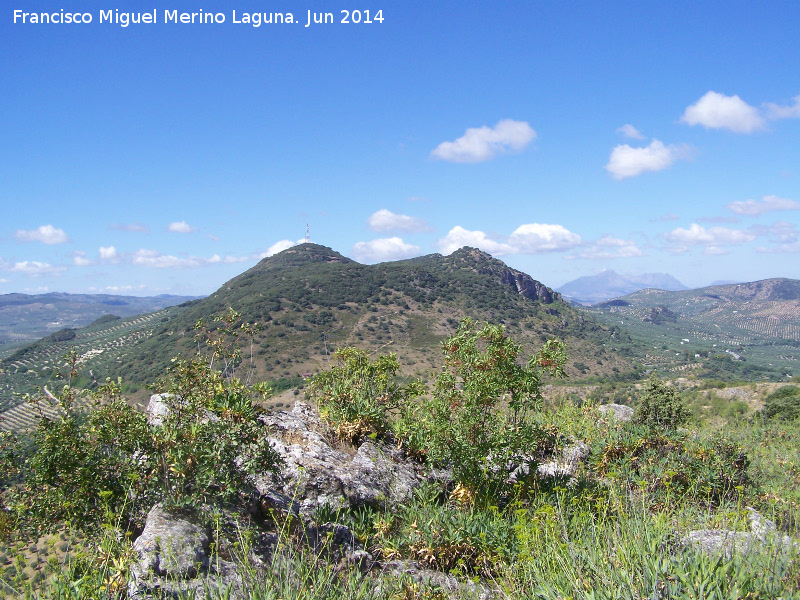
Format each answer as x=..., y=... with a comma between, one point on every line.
x=608, y=284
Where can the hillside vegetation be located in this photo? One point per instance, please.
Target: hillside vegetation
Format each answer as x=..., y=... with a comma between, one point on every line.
x=24, y=317
x=515, y=498
x=309, y=300
x=747, y=331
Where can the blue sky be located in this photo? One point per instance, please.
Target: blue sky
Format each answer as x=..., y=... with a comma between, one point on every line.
x=562, y=137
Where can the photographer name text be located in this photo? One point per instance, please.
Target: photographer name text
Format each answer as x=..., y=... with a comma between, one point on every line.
x=167, y=16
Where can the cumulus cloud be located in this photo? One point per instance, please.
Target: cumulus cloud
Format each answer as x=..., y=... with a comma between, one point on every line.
x=766, y=204
x=278, y=247
x=458, y=237
x=132, y=227
x=152, y=259
x=629, y=131
x=33, y=268
x=780, y=231
x=713, y=238
x=788, y=248
x=385, y=221
x=608, y=247
x=479, y=144
x=777, y=111
x=46, y=234
x=530, y=238
x=180, y=227
x=537, y=238
x=108, y=253
x=79, y=259
x=718, y=111
x=626, y=161
x=383, y=249
x=227, y=259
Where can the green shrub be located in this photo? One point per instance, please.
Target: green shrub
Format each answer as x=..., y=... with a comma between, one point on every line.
x=783, y=404
x=99, y=459
x=357, y=396
x=479, y=418
x=670, y=464
x=661, y=407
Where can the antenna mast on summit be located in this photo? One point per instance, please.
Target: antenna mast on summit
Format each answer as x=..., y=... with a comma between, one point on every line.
x=308, y=236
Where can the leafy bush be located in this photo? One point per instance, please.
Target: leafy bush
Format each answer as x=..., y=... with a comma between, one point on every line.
x=99, y=456
x=783, y=404
x=479, y=418
x=661, y=407
x=670, y=464
x=358, y=396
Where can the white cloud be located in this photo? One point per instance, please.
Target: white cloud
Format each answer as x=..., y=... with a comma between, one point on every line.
x=629, y=131
x=33, y=268
x=227, y=259
x=108, y=253
x=789, y=248
x=79, y=259
x=383, y=249
x=608, y=247
x=776, y=111
x=767, y=203
x=132, y=227
x=385, y=221
x=46, y=234
x=626, y=161
x=480, y=144
x=278, y=247
x=714, y=237
x=717, y=111
x=536, y=238
x=530, y=238
x=153, y=259
x=180, y=227
x=458, y=237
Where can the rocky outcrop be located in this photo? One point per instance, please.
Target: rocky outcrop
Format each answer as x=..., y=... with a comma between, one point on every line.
x=452, y=586
x=316, y=471
x=572, y=457
x=527, y=286
x=619, y=412
x=173, y=558
x=762, y=535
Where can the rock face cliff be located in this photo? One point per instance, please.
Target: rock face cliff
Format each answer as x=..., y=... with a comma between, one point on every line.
x=485, y=264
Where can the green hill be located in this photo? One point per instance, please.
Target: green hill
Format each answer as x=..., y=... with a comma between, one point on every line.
x=310, y=300
x=749, y=329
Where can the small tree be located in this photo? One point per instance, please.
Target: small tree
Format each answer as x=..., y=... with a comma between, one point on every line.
x=479, y=419
x=661, y=407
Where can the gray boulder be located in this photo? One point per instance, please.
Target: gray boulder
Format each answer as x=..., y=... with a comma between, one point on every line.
x=451, y=586
x=619, y=412
x=318, y=471
x=173, y=558
x=762, y=535
x=572, y=457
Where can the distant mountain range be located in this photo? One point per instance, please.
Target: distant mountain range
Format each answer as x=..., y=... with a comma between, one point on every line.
x=592, y=289
x=27, y=317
